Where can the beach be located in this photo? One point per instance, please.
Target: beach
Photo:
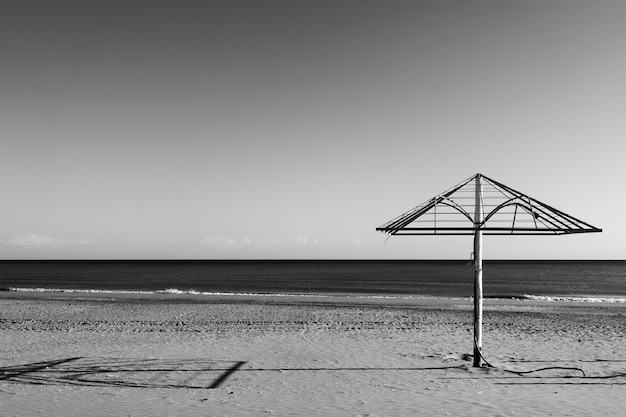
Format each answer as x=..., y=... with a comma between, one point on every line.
x=182, y=355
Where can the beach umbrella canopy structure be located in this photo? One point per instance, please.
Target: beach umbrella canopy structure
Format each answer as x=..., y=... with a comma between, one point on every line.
x=482, y=206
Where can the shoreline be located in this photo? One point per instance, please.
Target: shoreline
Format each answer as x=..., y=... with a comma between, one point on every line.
x=554, y=304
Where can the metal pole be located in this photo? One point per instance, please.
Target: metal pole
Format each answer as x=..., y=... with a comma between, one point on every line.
x=478, y=274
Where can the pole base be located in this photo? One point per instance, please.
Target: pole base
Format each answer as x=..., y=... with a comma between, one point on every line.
x=477, y=358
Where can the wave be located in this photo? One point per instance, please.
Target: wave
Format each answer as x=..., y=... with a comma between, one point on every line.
x=88, y=291
x=559, y=298
x=176, y=291
x=579, y=299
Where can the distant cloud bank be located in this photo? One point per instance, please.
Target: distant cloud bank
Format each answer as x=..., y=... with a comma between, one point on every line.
x=239, y=242
x=304, y=241
x=31, y=240
x=248, y=242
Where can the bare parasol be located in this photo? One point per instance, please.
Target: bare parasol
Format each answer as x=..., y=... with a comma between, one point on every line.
x=482, y=206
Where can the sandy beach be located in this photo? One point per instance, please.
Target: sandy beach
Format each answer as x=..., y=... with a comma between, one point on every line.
x=81, y=354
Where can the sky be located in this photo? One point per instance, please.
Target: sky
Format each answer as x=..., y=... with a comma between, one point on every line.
x=292, y=129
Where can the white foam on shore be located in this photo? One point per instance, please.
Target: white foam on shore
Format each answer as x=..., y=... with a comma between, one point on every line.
x=577, y=299
x=89, y=291
x=176, y=291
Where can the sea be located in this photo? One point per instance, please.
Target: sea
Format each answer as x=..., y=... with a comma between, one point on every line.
x=592, y=281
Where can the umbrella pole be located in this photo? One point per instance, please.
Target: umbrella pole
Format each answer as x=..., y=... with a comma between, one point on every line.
x=478, y=275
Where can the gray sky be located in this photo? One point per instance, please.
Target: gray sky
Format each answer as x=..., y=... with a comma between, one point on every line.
x=292, y=129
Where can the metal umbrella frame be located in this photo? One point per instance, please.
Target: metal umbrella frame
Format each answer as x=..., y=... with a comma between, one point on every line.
x=481, y=206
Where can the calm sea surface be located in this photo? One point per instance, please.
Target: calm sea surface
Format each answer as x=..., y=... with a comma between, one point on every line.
x=419, y=278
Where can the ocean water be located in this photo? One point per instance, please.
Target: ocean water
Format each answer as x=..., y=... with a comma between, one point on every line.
x=603, y=281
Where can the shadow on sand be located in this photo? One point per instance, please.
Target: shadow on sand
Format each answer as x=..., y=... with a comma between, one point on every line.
x=210, y=374
x=138, y=373
x=148, y=373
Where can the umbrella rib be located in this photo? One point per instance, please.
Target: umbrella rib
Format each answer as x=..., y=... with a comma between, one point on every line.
x=546, y=219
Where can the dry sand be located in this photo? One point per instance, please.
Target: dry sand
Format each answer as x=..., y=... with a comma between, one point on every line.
x=78, y=355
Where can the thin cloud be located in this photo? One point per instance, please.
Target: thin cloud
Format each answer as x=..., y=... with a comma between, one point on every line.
x=304, y=241
x=358, y=243
x=31, y=240
x=238, y=242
